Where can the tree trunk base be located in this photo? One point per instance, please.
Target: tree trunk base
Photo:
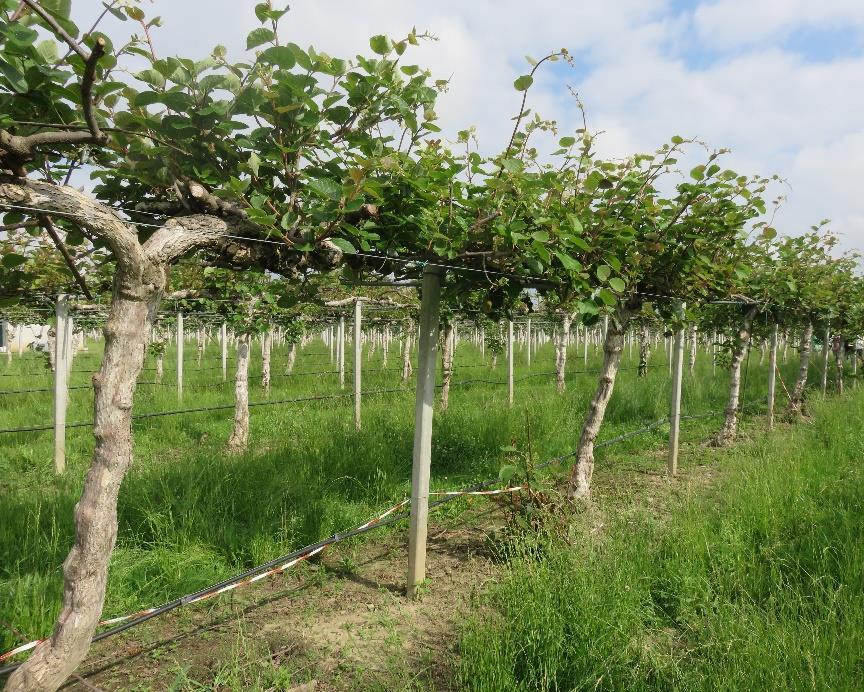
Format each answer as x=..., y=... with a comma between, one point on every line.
x=580, y=481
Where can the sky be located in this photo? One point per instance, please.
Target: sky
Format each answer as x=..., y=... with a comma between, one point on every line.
x=779, y=82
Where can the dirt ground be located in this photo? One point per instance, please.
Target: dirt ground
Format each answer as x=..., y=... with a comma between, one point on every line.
x=342, y=623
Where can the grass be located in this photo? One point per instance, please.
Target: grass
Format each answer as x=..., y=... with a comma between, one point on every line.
x=190, y=515
x=754, y=582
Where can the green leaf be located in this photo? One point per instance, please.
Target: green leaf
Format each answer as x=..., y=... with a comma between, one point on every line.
x=326, y=188
x=768, y=232
x=617, y=284
x=568, y=262
x=12, y=260
x=14, y=77
x=48, y=51
x=380, y=44
x=151, y=77
x=540, y=236
x=603, y=272
x=301, y=56
x=344, y=245
x=566, y=142
x=575, y=223
x=262, y=11
x=280, y=56
x=258, y=36
x=607, y=297
x=512, y=165
x=593, y=180
x=677, y=139
x=254, y=163
x=587, y=307
x=698, y=173
x=507, y=472
x=524, y=82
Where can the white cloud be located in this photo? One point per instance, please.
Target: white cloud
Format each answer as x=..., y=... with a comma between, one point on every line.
x=741, y=22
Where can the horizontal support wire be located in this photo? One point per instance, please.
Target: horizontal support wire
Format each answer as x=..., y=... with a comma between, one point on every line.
x=220, y=407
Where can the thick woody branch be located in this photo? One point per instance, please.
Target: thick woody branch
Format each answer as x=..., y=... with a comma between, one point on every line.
x=60, y=201
x=236, y=243
x=201, y=199
x=16, y=150
x=75, y=126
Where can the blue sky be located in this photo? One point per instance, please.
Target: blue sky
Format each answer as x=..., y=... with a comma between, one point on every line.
x=779, y=82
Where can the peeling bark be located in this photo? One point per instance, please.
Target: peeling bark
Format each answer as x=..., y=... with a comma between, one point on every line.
x=239, y=439
x=796, y=402
x=583, y=470
x=447, y=362
x=730, y=424
x=561, y=353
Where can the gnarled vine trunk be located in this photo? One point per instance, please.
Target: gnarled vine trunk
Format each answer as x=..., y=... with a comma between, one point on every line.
x=644, y=350
x=730, y=424
x=85, y=570
x=447, y=349
x=796, y=401
x=561, y=353
x=239, y=439
x=583, y=470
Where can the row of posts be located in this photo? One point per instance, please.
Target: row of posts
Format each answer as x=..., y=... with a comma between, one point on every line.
x=424, y=401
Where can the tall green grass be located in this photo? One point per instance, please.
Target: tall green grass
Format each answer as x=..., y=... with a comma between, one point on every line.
x=189, y=514
x=754, y=582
